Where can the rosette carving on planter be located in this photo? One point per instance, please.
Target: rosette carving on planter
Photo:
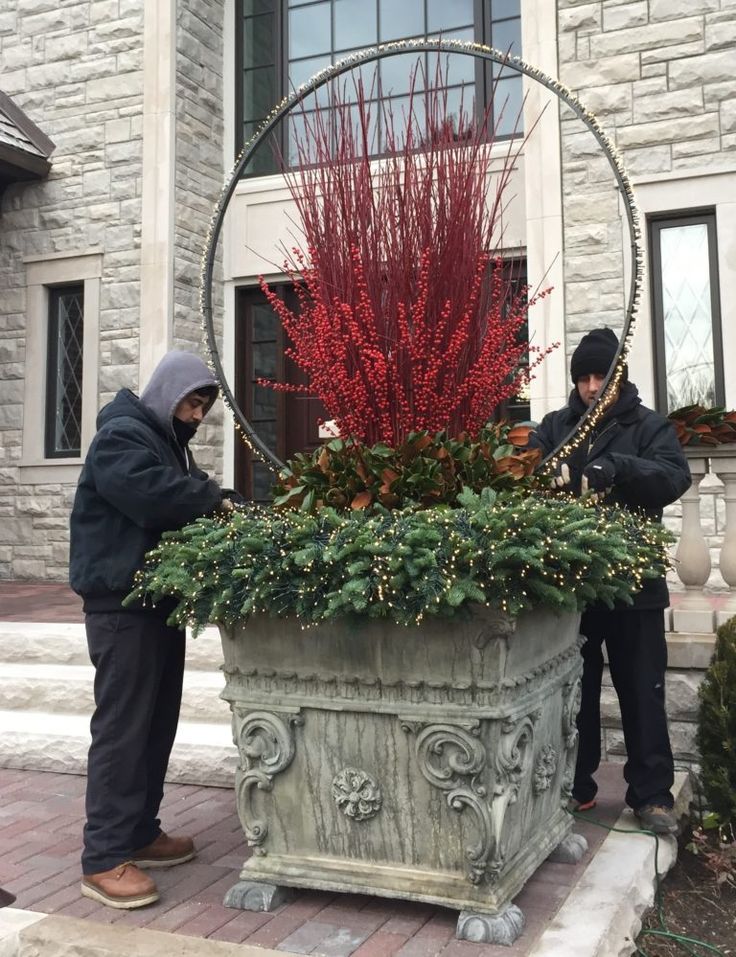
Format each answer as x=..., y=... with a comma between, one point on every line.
x=357, y=794
x=544, y=769
x=265, y=741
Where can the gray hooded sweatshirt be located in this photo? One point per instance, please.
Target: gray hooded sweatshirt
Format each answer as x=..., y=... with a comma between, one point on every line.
x=137, y=482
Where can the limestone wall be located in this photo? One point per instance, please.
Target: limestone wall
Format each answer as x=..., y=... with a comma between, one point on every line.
x=75, y=69
x=659, y=75
x=199, y=175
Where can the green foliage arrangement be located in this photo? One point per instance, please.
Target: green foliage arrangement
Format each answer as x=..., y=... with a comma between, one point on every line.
x=510, y=550
x=426, y=468
x=717, y=726
x=696, y=425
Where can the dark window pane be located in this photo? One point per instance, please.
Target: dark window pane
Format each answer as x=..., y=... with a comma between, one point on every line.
x=506, y=37
x=265, y=323
x=355, y=23
x=448, y=14
x=264, y=403
x=264, y=158
x=267, y=433
x=258, y=41
x=64, y=383
x=399, y=21
x=263, y=479
x=505, y=8
x=264, y=360
x=251, y=7
x=309, y=30
x=259, y=93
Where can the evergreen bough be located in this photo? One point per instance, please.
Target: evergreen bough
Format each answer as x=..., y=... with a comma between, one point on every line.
x=510, y=551
x=716, y=734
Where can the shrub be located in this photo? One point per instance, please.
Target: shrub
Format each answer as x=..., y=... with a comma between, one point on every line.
x=717, y=726
x=425, y=469
x=510, y=550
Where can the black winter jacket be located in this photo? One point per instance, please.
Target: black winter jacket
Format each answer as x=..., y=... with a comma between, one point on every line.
x=651, y=470
x=137, y=482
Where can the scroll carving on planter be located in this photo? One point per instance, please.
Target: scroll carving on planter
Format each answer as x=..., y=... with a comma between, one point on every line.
x=357, y=794
x=452, y=758
x=545, y=768
x=571, y=697
x=511, y=761
x=266, y=745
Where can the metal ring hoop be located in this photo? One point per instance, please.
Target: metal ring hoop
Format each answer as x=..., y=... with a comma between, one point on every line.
x=606, y=396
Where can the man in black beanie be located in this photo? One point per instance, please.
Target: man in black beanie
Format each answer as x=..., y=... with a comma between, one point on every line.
x=632, y=459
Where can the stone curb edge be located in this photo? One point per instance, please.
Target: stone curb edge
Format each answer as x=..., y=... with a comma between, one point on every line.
x=602, y=914
x=28, y=934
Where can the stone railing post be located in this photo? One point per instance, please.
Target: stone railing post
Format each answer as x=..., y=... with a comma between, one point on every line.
x=694, y=613
x=723, y=463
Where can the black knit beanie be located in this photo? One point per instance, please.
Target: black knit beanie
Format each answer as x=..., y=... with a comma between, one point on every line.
x=595, y=353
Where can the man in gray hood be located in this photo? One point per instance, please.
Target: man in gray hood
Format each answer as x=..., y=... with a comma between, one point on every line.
x=139, y=480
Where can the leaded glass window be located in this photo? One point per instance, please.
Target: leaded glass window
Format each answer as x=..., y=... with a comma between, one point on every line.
x=284, y=42
x=686, y=311
x=64, y=372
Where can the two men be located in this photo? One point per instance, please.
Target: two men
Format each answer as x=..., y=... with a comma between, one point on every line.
x=139, y=480
x=634, y=459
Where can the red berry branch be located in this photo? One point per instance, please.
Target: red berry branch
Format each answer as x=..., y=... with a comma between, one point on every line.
x=406, y=319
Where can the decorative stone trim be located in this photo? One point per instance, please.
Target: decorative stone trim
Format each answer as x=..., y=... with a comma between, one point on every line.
x=265, y=741
x=357, y=794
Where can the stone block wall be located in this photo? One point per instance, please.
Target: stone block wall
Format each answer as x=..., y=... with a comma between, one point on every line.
x=199, y=178
x=659, y=75
x=76, y=70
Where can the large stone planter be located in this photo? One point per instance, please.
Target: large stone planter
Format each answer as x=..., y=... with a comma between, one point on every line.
x=428, y=763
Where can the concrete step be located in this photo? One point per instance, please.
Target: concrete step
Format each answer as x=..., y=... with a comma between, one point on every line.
x=45, y=741
x=68, y=689
x=66, y=644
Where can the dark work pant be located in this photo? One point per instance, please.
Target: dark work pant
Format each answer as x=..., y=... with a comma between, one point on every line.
x=139, y=667
x=637, y=658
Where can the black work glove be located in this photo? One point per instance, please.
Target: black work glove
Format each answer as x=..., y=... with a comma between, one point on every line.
x=599, y=475
x=235, y=497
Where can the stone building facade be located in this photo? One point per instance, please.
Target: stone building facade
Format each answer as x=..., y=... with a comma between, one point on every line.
x=131, y=94
x=140, y=100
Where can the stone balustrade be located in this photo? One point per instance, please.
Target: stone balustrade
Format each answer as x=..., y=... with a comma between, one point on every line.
x=703, y=538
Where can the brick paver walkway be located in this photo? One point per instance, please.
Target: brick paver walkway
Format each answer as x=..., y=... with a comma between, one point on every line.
x=39, y=601
x=41, y=817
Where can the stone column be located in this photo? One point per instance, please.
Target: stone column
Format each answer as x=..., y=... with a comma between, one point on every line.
x=723, y=464
x=694, y=613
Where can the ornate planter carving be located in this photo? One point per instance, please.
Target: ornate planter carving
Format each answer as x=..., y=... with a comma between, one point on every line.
x=430, y=764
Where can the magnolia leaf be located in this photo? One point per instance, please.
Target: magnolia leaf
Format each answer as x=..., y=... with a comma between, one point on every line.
x=361, y=500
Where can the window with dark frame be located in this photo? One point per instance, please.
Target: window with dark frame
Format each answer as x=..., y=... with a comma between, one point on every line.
x=282, y=43
x=287, y=422
x=686, y=312
x=63, y=438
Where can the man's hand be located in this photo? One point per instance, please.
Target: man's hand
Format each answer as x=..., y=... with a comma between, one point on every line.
x=562, y=478
x=598, y=477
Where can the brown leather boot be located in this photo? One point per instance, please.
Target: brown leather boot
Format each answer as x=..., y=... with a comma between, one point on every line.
x=124, y=887
x=165, y=851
